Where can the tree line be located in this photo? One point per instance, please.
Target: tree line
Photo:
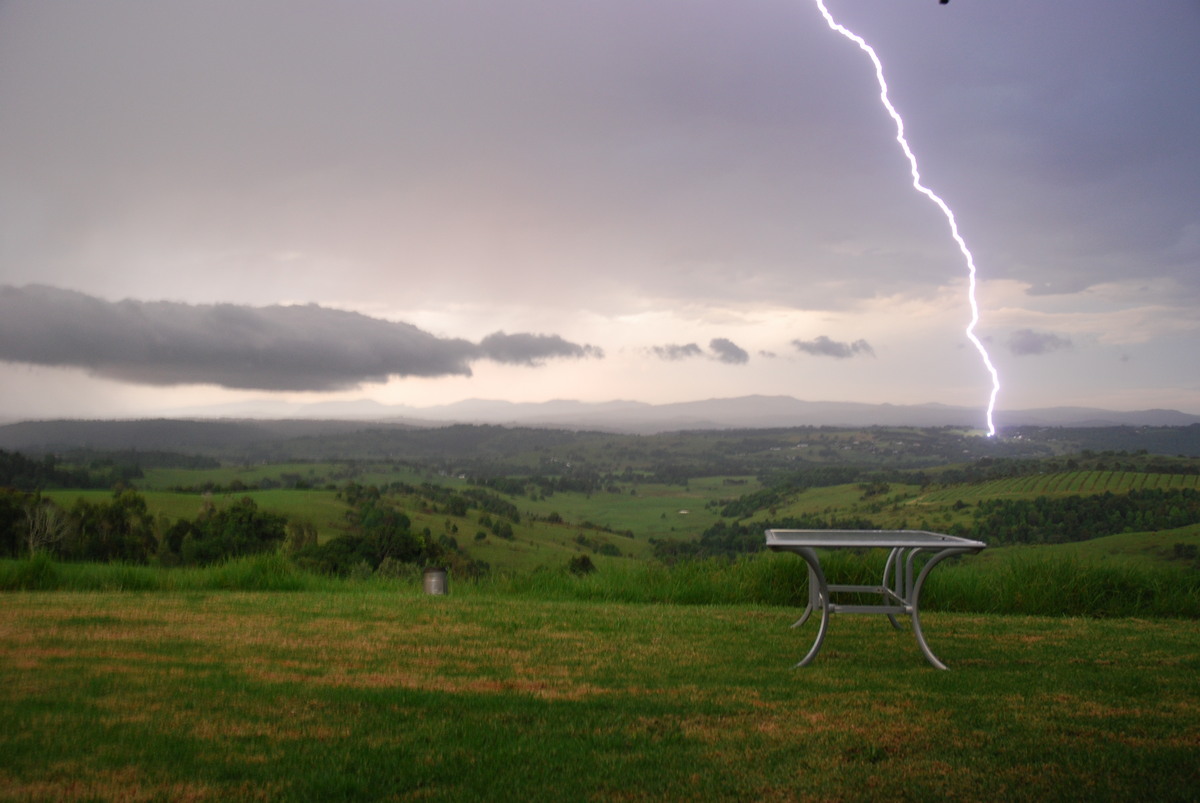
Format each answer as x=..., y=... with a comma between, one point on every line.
x=1048, y=520
x=123, y=529
x=726, y=540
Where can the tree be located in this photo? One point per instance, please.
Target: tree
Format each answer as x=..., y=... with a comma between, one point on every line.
x=300, y=534
x=45, y=525
x=122, y=529
x=12, y=521
x=240, y=529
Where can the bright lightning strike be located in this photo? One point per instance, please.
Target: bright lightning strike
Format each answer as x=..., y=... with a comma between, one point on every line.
x=931, y=195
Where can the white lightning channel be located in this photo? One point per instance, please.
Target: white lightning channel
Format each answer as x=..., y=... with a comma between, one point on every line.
x=931, y=195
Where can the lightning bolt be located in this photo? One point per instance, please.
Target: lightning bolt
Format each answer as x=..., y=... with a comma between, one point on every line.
x=931, y=195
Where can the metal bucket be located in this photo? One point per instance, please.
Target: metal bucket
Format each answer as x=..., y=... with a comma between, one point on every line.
x=436, y=581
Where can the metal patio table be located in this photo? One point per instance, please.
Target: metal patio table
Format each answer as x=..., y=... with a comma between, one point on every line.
x=900, y=590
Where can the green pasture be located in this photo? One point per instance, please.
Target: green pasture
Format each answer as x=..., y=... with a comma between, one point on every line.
x=542, y=546
x=384, y=694
x=649, y=510
x=534, y=544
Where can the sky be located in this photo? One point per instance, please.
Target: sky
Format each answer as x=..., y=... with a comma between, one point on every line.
x=209, y=202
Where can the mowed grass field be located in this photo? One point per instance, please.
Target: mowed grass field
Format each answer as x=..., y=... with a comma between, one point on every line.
x=476, y=696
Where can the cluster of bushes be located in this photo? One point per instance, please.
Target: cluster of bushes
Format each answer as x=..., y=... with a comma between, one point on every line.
x=382, y=540
x=597, y=546
x=216, y=535
x=499, y=527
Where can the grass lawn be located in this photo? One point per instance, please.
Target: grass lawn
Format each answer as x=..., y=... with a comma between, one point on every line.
x=377, y=694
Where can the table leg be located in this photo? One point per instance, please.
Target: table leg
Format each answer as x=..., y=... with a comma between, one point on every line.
x=893, y=564
x=916, y=603
x=818, y=599
x=813, y=600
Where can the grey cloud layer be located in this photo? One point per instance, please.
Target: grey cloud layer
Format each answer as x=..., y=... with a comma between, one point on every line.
x=709, y=143
x=309, y=348
x=823, y=346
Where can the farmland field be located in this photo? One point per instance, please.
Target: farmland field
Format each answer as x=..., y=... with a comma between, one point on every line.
x=370, y=694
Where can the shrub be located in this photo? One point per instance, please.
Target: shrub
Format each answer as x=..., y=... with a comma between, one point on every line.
x=580, y=565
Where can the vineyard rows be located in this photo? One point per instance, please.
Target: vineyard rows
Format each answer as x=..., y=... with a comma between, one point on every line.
x=1067, y=483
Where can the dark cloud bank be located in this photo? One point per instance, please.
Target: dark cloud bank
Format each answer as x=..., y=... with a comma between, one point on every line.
x=299, y=348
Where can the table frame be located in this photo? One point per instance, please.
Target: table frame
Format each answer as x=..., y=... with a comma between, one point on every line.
x=900, y=588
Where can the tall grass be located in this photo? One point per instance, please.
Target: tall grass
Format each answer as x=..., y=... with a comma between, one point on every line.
x=1065, y=585
x=1021, y=582
x=1045, y=585
x=708, y=582
x=257, y=573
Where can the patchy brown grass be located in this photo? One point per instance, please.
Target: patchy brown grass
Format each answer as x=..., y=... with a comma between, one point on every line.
x=127, y=785
x=250, y=679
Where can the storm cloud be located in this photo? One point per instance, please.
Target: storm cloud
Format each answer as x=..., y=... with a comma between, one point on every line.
x=823, y=346
x=674, y=351
x=1026, y=342
x=298, y=347
x=527, y=349
x=728, y=351
x=721, y=349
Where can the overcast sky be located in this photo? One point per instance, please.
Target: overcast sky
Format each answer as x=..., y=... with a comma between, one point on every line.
x=662, y=200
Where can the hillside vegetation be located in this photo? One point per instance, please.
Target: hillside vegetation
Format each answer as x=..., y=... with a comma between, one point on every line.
x=493, y=500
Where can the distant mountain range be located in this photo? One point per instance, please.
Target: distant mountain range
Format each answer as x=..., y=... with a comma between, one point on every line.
x=744, y=412
x=368, y=429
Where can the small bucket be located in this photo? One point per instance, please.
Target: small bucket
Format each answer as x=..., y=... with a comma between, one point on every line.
x=435, y=580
